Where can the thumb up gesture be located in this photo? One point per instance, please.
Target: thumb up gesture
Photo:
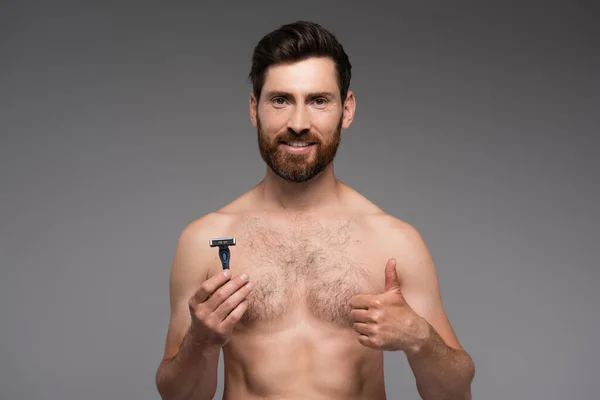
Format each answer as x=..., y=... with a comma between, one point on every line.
x=386, y=321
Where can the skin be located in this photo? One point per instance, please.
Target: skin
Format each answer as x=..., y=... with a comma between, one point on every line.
x=331, y=281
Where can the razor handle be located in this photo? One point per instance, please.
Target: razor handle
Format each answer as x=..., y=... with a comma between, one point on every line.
x=224, y=253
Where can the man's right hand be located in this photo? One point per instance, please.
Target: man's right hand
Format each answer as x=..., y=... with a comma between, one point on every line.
x=217, y=307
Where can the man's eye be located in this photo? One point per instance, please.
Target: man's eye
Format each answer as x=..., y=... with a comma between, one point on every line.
x=279, y=100
x=320, y=101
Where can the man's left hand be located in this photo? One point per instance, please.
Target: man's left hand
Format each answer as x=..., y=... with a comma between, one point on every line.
x=386, y=321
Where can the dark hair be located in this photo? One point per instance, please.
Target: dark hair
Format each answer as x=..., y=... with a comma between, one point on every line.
x=296, y=42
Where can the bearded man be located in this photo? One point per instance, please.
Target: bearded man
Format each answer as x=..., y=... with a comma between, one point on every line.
x=322, y=282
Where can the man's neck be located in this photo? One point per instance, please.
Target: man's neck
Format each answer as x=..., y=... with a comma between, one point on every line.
x=322, y=191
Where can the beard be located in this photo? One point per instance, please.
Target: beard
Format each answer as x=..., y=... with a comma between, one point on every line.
x=298, y=167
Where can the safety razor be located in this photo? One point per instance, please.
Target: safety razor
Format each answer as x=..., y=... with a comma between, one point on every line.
x=223, y=244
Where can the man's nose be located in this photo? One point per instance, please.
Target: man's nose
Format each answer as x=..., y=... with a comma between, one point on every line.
x=299, y=121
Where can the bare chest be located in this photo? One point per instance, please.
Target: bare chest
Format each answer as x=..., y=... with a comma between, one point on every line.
x=313, y=268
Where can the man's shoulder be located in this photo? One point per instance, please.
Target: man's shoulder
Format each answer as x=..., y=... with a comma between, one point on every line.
x=219, y=221
x=391, y=227
x=378, y=221
x=212, y=224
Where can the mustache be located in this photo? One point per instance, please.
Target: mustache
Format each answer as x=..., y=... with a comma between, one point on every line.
x=291, y=136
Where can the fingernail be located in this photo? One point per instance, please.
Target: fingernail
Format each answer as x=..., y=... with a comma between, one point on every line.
x=227, y=273
x=250, y=285
x=244, y=276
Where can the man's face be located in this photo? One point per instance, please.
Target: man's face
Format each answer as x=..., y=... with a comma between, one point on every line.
x=299, y=118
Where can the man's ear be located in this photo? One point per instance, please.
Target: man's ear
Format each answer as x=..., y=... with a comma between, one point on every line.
x=349, y=109
x=253, y=107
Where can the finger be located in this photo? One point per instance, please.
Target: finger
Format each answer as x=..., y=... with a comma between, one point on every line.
x=367, y=302
x=360, y=315
x=362, y=328
x=233, y=301
x=225, y=291
x=235, y=315
x=208, y=287
x=391, y=276
x=361, y=301
x=367, y=341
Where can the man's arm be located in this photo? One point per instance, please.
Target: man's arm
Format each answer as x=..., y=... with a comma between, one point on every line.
x=190, y=374
x=441, y=371
x=188, y=370
x=442, y=368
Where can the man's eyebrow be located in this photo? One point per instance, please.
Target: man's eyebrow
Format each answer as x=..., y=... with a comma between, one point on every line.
x=278, y=93
x=326, y=94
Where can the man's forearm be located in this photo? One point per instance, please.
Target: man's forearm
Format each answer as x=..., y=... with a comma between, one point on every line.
x=191, y=374
x=441, y=372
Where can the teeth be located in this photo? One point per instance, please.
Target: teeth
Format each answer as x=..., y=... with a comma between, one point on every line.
x=298, y=144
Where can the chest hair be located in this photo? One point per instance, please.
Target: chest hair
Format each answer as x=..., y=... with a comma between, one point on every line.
x=306, y=264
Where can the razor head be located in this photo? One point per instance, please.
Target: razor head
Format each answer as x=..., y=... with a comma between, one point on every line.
x=227, y=241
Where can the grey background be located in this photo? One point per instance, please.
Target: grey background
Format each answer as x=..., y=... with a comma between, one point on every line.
x=121, y=122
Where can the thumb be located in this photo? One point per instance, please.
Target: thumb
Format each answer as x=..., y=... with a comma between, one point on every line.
x=391, y=276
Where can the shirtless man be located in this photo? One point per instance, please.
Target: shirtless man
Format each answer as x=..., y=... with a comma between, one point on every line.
x=322, y=281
